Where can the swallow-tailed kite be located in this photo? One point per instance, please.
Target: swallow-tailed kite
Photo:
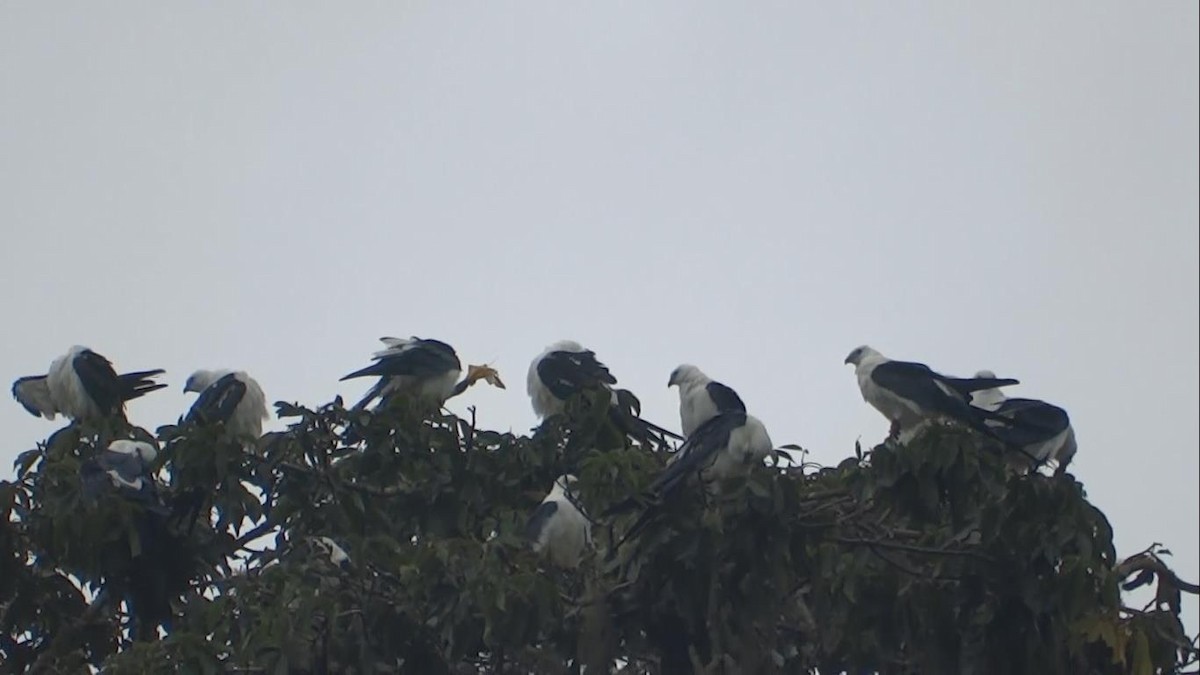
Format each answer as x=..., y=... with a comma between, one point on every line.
x=909, y=394
x=565, y=369
x=231, y=397
x=558, y=529
x=701, y=398
x=423, y=369
x=123, y=466
x=1041, y=430
x=83, y=386
x=727, y=445
x=157, y=567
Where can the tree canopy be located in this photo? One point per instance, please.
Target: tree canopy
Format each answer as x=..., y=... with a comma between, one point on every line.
x=932, y=557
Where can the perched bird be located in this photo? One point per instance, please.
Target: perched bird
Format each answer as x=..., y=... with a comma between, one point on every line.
x=148, y=574
x=424, y=369
x=1040, y=430
x=565, y=369
x=230, y=397
x=727, y=445
x=82, y=386
x=123, y=466
x=910, y=394
x=701, y=398
x=558, y=528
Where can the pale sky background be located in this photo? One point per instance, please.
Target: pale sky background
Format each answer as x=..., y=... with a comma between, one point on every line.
x=753, y=188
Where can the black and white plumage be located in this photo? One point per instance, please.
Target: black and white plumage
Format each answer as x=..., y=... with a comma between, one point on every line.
x=565, y=369
x=728, y=445
x=230, y=397
x=147, y=575
x=701, y=398
x=124, y=466
x=558, y=528
x=424, y=369
x=1041, y=430
x=83, y=386
x=910, y=394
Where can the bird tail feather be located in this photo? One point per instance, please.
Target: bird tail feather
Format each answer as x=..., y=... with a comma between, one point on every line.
x=140, y=383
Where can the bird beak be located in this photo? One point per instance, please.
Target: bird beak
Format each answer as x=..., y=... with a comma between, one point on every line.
x=847, y=359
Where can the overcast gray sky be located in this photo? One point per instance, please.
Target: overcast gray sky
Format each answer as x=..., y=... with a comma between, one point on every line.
x=754, y=188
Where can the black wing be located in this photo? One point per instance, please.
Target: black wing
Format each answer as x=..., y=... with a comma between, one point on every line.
x=1033, y=421
x=567, y=373
x=968, y=385
x=699, y=450
x=696, y=454
x=539, y=518
x=421, y=358
x=218, y=401
x=918, y=383
x=912, y=381
x=624, y=413
x=99, y=380
x=725, y=398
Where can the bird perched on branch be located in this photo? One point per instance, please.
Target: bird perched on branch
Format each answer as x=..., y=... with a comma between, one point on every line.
x=151, y=569
x=558, y=528
x=229, y=397
x=727, y=445
x=701, y=398
x=424, y=369
x=909, y=394
x=83, y=386
x=565, y=369
x=1041, y=430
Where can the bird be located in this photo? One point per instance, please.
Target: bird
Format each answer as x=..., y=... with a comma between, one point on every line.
x=1042, y=431
x=558, y=528
x=148, y=574
x=123, y=466
x=424, y=369
x=726, y=446
x=701, y=398
x=909, y=394
x=230, y=397
x=565, y=369
x=82, y=386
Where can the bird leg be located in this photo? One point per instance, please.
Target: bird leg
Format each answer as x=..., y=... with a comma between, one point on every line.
x=894, y=431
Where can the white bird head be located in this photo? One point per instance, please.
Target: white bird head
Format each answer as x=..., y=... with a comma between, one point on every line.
x=687, y=374
x=142, y=449
x=564, y=346
x=203, y=379
x=861, y=354
x=988, y=399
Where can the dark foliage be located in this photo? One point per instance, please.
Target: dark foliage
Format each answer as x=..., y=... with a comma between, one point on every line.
x=928, y=558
